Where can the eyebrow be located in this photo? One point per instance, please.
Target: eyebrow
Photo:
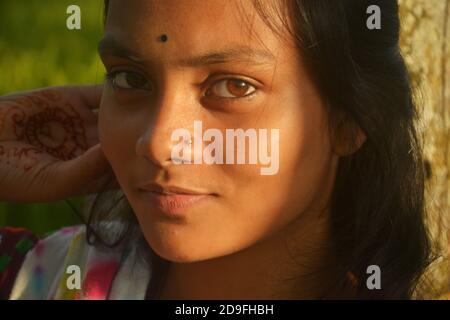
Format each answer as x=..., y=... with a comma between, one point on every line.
x=110, y=46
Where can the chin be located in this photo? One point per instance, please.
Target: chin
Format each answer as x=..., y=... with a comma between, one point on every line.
x=179, y=254
x=173, y=247
x=183, y=248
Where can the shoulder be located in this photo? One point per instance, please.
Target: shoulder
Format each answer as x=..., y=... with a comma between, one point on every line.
x=64, y=266
x=14, y=245
x=44, y=265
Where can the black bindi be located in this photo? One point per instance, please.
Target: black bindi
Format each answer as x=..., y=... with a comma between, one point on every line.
x=163, y=38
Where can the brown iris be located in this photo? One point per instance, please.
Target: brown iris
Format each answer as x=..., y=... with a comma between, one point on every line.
x=135, y=80
x=237, y=88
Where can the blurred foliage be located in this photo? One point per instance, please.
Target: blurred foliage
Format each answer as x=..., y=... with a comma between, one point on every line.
x=37, y=50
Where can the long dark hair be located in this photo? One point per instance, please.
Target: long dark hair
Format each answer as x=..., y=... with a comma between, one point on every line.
x=377, y=206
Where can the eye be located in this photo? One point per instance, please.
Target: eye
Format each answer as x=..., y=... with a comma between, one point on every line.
x=231, y=88
x=128, y=80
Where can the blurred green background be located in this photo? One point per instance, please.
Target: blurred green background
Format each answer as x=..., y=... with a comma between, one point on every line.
x=37, y=50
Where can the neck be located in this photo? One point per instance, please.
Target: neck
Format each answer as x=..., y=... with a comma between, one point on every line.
x=293, y=263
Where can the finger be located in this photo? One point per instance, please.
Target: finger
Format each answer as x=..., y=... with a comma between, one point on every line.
x=106, y=183
x=91, y=95
x=79, y=172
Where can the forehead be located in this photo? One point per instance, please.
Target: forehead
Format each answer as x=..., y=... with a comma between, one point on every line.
x=192, y=26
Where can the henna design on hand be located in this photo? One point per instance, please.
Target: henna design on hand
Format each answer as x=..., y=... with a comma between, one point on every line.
x=17, y=114
x=55, y=131
x=47, y=123
x=21, y=157
x=20, y=104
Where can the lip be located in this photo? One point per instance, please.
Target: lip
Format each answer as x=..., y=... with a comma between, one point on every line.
x=173, y=200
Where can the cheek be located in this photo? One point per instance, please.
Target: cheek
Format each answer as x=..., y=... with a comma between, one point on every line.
x=106, y=123
x=308, y=164
x=115, y=136
x=305, y=168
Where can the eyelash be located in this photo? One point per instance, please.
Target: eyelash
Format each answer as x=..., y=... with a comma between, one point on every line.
x=110, y=76
x=230, y=99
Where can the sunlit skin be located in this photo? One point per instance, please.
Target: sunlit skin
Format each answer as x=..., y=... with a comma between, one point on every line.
x=252, y=230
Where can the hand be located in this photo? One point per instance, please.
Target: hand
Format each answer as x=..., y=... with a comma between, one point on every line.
x=49, y=148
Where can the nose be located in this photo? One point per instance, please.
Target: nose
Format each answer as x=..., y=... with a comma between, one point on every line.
x=173, y=110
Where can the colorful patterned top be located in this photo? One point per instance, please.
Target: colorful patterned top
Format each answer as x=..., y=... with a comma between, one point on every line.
x=14, y=244
x=64, y=266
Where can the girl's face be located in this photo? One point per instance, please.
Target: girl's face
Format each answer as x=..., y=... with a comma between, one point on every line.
x=223, y=66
